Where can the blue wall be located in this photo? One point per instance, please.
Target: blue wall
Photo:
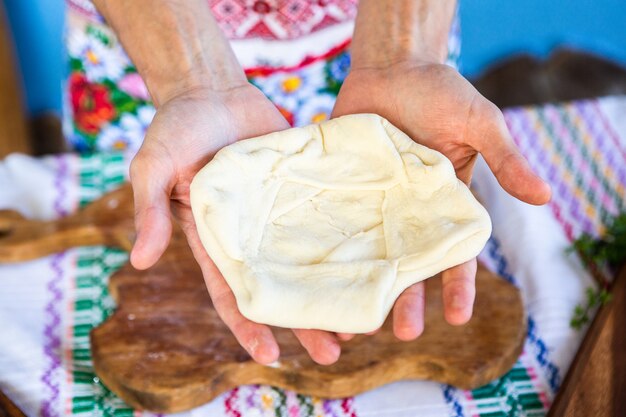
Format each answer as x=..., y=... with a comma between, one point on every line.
x=37, y=27
x=492, y=30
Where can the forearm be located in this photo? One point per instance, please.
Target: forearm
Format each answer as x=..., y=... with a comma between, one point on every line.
x=392, y=31
x=176, y=45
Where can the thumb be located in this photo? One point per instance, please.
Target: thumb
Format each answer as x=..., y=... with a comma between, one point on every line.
x=490, y=136
x=151, y=190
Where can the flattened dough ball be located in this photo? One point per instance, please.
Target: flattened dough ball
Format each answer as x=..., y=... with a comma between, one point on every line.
x=322, y=227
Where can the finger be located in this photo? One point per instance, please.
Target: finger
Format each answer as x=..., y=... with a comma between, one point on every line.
x=322, y=346
x=257, y=339
x=408, y=313
x=489, y=135
x=151, y=191
x=345, y=336
x=459, y=291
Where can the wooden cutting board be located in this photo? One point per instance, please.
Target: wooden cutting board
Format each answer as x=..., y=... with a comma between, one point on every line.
x=166, y=350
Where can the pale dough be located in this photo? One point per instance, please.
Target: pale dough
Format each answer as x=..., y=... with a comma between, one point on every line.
x=324, y=226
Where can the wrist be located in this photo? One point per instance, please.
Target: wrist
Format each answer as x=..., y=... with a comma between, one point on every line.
x=164, y=88
x=389, y=32
x=399, y=60
x=184, y=50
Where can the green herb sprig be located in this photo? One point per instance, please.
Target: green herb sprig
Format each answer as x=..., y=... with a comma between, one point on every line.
x=595, y=298
x=599, y=254
x=609, y=249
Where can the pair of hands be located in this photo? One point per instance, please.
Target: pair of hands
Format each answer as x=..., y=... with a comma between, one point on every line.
x=432, y=103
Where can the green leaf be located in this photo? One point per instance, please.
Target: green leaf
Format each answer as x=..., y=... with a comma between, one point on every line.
x=609, y=249
x=96, y=32
x=598, y=254
x=123, y=102
x=605, y=297
x=76, y=64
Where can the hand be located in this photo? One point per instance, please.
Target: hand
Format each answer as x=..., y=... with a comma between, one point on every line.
x=186, y=132
x=438, y=108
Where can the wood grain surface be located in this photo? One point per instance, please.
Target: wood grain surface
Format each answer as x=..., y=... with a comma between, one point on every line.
x=108, y=221
x=595, y=384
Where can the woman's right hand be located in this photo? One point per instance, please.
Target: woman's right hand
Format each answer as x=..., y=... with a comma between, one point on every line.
x=187, y=130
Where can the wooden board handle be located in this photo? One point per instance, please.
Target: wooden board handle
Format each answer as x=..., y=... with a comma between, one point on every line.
x=108, y=221
x=22, y=239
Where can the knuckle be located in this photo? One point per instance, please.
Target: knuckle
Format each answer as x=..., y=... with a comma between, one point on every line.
x=137, y=166
x=488, y=110
x=486, y=113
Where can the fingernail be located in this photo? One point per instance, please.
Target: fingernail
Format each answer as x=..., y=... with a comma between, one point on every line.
x=331, y=354
x=252, y=347
x=458, y=302
x=263, y=351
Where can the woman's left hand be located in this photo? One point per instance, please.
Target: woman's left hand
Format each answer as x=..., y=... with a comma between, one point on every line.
x=440, y=109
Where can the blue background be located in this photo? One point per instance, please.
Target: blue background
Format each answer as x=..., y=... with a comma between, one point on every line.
x=492, y=30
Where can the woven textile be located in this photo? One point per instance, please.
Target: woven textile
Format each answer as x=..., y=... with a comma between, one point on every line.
x=48, y=306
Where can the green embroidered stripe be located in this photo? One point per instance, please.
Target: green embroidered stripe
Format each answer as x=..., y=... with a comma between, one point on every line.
x=92, y=306
x=512, y=395
x=306, y=404
x=281, y=406
x=98, y=174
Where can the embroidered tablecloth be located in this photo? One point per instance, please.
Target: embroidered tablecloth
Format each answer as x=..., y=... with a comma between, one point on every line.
x=48, y=306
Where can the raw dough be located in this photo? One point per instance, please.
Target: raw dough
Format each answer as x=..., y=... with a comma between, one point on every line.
x=323, y=227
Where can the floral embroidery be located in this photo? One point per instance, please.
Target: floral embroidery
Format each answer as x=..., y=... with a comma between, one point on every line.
x=129, y=133
x=290, y=89
x=336, y=71
x=91, y=104
x=99, y=61
x=315, y=110
x=108, y=105
x=133, y=85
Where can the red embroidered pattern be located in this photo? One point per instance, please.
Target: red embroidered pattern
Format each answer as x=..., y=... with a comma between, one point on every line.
x=267, y=19
x=279, y=19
